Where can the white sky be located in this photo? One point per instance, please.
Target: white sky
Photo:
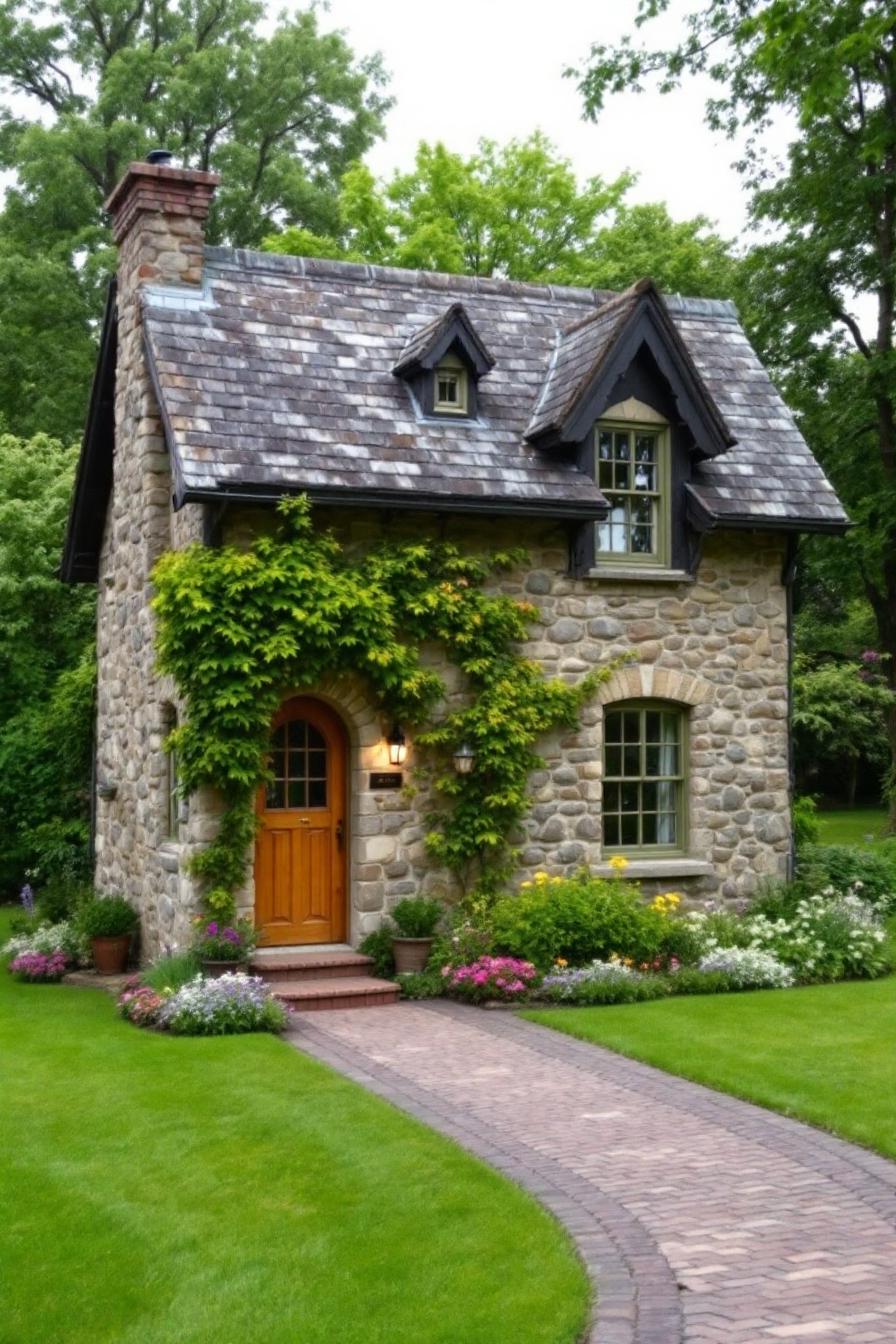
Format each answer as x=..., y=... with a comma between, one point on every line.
x=495, y=68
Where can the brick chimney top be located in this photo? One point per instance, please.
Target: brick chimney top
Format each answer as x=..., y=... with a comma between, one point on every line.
x=159, y=212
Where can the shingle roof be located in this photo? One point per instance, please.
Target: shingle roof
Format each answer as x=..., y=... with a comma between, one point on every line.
x=278, y=376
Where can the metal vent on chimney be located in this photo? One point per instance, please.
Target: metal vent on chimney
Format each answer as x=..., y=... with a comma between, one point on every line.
x=162, y=157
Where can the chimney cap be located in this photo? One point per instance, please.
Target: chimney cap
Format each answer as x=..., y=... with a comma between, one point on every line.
x=162, y=157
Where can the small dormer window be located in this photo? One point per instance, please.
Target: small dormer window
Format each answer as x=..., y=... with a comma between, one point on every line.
x=451, y=387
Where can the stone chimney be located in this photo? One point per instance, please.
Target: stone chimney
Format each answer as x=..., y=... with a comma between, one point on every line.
x=158, y=214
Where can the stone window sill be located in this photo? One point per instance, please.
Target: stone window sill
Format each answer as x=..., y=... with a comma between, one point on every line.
x=647, y=868
x=639, y=573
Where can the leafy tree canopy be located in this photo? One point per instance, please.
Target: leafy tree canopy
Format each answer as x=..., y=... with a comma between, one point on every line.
x=516, y=211
x=826, y=68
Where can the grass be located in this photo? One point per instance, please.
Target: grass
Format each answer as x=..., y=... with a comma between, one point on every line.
x=232, y=1191
x=853, y=826
x=823, y=1054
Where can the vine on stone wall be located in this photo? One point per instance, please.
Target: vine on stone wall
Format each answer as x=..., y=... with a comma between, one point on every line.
x=238, y=629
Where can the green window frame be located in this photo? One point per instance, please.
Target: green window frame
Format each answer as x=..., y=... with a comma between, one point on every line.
x=632, y=471
x=644, y=807
x=172, y=796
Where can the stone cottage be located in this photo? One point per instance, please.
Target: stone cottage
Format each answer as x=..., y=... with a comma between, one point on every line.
x=632, y=442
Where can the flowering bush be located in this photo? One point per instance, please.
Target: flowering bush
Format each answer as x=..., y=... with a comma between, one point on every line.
x=39, y=966
x=47, y=939
x=214, y=941
x=748, y=968
x=828, y=936
x=610, y=981
x=141, y=1005
x=499, y=979
x=222, y=1007
x=578, y=918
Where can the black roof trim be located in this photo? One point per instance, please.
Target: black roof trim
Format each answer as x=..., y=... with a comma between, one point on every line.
x=409, y=501
x=93, y=478
x=431, y=343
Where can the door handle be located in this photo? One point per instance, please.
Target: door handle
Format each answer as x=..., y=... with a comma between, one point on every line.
x=340, y=832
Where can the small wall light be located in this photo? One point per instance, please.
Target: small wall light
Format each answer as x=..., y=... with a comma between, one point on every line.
x=464, y=758
x=398, y=747
x=106, y=788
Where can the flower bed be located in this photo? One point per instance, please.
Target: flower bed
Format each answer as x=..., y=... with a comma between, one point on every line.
x=37, y=967
x=491, y=980
x=225, y=1005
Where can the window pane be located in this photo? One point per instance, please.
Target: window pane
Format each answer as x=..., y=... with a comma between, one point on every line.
x=667, y=796
x=611, y=831
x=297, y=767
x=629, y=796
x=605, y=475
x=621, y=446
x=297, y=729
x=605, y=445
x=653, y=726
x=613, y=728
x=649, y=797
x=667, y=829
x=317, y=793
x=613, y=762
x=645, y=477
x=279, y=738
x=315, y=739
x=621, y=481
x=275, y=795
x=631, y=761
x=631, y=726
x=642, y=540
x=648, y=828
x=645, y=448
x=317, y=764
x=611, y=797
x=297, y=793
x=629, y=830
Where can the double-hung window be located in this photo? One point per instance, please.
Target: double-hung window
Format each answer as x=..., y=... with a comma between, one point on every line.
x=644, y=777
x=633, y=475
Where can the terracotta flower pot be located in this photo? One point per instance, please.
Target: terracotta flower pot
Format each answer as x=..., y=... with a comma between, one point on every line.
x=216, y=968
x=411, y=954
x=110, y=955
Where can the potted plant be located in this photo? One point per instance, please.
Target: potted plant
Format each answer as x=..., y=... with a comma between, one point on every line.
x=109, y=923
x=415, y=921
x=221, y=947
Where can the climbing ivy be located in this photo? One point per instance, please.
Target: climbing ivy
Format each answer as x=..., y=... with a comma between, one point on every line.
x=239, y=628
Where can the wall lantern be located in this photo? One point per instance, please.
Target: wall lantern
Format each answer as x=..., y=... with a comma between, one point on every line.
x=398, y=747
x=464, y=758
x=106, y=789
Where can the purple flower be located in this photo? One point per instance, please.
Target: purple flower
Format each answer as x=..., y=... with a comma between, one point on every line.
x=212, y=928
x=232, y=936
x=26, y=896
x=871, y=656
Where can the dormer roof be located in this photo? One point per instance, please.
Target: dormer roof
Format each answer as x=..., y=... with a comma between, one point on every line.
x=593, y=353
x=452, y=330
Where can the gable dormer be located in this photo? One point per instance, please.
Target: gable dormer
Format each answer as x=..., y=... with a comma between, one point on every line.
x=624, y=398
x=443, y=363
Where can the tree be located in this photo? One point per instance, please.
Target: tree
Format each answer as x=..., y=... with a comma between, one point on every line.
x=828, y=69
x=515, y=211
x=46, y=660
x=281, y=114
x=839, y=715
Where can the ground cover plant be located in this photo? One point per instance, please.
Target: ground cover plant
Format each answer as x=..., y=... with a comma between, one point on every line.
x=823, y=1054
x=230, y=1189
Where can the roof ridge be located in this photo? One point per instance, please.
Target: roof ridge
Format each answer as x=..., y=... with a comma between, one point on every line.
x=325, y=268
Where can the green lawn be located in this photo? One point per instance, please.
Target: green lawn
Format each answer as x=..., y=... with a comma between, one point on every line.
x=824, y=1054
x=852, y=826
x=232, y=1191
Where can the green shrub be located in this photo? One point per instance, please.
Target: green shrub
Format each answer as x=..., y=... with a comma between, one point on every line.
x=62, y=898
x=579, y=919
x=416, y=917
x=804, y=817
x=107, y=917
x=170, y=972
x=690, y=980
x=378, y=945
x=421, y=984
x=463, y=942
x=842, y=866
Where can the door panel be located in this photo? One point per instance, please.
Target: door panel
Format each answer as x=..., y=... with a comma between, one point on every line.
x=300, y=864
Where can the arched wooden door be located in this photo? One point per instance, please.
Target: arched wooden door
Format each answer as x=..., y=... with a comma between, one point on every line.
x=300, y=856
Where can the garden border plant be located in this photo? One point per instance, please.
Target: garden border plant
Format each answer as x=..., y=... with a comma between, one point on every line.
x=239, y=628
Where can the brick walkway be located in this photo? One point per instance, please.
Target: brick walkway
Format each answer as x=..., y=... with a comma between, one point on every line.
x=700, y=1218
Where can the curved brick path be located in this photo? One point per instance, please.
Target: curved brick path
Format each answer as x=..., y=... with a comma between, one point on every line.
x=700, y=1218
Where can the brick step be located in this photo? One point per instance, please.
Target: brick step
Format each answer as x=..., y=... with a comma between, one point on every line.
x=361, y=991
x=311, y=965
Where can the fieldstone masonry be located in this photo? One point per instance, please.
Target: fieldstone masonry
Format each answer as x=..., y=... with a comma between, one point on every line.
x=716, y=645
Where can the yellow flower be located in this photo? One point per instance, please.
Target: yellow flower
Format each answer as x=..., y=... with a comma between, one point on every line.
x=560, y=961
x=555, y=881
x=524, y=885
x=541, y=878
x=618, y=863
x=627, y=961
